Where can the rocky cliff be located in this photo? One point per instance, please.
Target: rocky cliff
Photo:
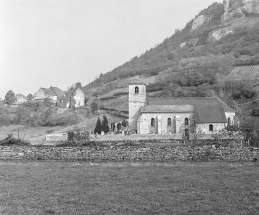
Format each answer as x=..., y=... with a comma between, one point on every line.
x=240, y=8
x=200, y=20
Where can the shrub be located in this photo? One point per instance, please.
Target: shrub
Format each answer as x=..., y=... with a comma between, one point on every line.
x=10, y=140
x=94, y=107
x=98, y=126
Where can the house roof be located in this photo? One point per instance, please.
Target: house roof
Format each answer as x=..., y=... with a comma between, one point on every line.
x=207, y=109
x=167, y=109
x=48, y=92
x=21, y=95
x=57, y=91
x=244, y=73
x=71, y=92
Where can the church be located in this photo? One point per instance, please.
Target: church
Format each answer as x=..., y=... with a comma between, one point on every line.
x=176, y=115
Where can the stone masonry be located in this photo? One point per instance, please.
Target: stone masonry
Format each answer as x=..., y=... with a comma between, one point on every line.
x=131, y=153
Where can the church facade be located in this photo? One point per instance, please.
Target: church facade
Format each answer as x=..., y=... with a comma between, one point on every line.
x=181, y=116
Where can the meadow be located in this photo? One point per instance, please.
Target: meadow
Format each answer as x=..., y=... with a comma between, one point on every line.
x=50, y=187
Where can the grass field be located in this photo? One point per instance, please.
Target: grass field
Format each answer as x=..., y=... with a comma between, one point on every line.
x=128, y=188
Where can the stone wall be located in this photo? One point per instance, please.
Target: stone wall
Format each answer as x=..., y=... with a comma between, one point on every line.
x=132, y=153
x=161, y=119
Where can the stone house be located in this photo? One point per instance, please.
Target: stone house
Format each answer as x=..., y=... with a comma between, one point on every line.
x=77, y=97
x=20, y=98
x=53, y=93
x=176, y=115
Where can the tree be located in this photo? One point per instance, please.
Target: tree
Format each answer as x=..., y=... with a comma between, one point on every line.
x=29, y=97
x=98, y=126
x=124, y=123
x=10, y=97
x=105, y=124
x=94, y=107
x=48, y=102
x=23, y=115
x=78, y=85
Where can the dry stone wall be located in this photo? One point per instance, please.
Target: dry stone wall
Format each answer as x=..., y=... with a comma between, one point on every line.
x=131, y=153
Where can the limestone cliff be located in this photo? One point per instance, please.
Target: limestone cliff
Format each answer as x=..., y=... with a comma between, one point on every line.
x=240, y=8
x=200, y=20
x=219, y=33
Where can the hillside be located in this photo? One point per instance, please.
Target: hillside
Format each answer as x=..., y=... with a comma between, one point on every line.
x=194, y=61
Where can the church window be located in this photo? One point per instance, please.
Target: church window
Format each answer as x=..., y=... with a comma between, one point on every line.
x=136, y=90
x=210, y=127
x=228, y=120
x=186, y=121
x=169, y=122
x=152, y=122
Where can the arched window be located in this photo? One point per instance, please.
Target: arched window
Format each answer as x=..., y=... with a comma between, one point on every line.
x=152, y=122
x=186, y=121
x=228, y=120
x=136, y=90
x=210, y=127
x=169, y=122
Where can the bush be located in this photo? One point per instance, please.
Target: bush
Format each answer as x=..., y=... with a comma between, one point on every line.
x=255, y=112
x=10, y=140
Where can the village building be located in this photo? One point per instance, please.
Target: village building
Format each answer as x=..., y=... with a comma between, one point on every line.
x=53, y=93
x=20, y=99
x=76, y=98
x=181, y=116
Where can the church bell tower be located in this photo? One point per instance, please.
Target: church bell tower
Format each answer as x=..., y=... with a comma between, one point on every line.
x=137, y=99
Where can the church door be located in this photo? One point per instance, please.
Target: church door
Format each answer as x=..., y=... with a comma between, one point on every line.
x=186, y=133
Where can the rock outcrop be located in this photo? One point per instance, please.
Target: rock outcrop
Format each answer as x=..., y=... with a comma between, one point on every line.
x=219, y=33
x=199, y=21
x=240, y=8
x=193, y=42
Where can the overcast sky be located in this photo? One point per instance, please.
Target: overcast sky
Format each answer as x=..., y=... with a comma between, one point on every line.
x=47, y=43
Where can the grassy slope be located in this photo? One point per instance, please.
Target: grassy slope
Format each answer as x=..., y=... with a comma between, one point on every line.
x=25, y=133
x=88, y=125
x=128, y=188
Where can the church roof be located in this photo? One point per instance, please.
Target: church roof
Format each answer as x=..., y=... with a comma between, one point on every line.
x=207, y=109
x=167, y=109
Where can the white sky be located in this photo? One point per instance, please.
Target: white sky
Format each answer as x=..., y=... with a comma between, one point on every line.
x=47, y=43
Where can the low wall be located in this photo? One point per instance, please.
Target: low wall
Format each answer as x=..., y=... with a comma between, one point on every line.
x=131, y=153
x=137, y=137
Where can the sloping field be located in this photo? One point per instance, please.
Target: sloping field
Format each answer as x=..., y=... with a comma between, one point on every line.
x=25, y=133
x=88, y=125
x=244, y=73
x=128, y=188
x=114, y=92
x=121, y=103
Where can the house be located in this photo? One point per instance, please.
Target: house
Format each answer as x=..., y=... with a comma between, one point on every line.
x=20, y=98
x=76, y=98
x=176, y=115
x=53, y=93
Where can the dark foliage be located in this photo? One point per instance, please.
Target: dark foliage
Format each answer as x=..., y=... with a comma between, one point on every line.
x=94, y=106
x=10, y=140
x=105, y=124
x=98, y=127
x=255, y=112
x=10, y=97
